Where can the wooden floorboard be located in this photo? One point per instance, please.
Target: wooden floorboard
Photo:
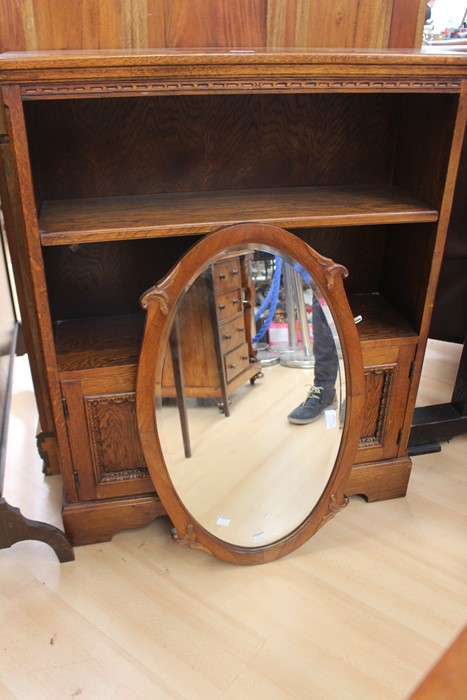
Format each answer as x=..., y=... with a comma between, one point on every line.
x=361, y=611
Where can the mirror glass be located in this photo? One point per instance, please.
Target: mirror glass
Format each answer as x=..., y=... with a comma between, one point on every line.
x=251, y=405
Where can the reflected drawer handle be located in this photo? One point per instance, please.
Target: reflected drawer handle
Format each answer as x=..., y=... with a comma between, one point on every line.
x=228, y=336
x=221, y=307
x=240, y=330
x=235, y=272
x=221, y=276
x=233, y=366
x=235, y=301
x=245, y=357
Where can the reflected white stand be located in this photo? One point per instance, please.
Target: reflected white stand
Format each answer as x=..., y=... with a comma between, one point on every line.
x=297, y=354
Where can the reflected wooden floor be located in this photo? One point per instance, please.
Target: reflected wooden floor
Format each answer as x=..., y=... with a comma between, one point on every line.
x=360, y=612
x=253, y=477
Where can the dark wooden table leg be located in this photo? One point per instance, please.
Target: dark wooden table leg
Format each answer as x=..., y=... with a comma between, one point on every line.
x=14, y=527
x=177, y=364
x=224, y=406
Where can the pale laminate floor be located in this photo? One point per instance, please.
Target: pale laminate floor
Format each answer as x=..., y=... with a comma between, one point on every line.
x=361, y=611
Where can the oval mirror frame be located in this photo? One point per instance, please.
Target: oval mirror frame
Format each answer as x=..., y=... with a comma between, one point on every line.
x=161, y=303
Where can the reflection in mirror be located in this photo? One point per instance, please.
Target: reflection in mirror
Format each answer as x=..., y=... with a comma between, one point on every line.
x=250, y=437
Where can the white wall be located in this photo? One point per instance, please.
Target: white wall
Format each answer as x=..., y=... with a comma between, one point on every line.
x=447, y=13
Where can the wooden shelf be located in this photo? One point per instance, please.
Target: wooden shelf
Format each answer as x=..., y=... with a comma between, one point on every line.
x=380, y=321
x=95, y=343
x=64, y=222
x=91, y=343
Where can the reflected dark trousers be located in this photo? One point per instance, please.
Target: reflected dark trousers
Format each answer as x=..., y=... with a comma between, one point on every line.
x=324, y=350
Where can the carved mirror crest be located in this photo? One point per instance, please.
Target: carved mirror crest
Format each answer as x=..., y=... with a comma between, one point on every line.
x=250, y=447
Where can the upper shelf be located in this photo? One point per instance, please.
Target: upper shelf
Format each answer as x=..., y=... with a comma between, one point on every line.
x=63, y=222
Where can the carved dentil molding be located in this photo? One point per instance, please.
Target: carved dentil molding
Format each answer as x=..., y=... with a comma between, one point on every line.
x=154, y=87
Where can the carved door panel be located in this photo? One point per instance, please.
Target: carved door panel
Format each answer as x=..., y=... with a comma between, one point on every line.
x=387, y=379
x=107, y=457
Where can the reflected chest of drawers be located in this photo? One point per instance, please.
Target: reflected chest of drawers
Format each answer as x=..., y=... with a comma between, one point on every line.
x=215, y=334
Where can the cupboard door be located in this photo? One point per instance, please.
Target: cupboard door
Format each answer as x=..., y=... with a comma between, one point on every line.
x=108, y=461
x=387, y=379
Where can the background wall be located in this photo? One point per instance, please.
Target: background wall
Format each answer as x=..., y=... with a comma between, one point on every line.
x=89, y=24
x=447, y=13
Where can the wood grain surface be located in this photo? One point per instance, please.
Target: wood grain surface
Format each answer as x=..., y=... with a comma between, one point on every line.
x=89, y=24
x=64, y=222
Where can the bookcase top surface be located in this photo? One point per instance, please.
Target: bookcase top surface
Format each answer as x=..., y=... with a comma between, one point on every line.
x=81, y=74
x=330, y=59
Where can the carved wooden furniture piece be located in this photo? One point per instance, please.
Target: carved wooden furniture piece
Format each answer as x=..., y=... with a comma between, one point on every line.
x=115, y=163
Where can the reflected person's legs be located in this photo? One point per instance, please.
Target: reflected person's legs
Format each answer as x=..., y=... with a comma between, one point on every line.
x=325, y=352
x=322, y=394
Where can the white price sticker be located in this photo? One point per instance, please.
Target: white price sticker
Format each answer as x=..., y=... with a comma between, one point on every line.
x=330, y=416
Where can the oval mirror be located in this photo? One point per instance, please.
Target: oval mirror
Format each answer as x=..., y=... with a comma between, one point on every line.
x=250, y=445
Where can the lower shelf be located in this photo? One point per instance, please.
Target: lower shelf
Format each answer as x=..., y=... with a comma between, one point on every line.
x=91, y=343
x=380, y=321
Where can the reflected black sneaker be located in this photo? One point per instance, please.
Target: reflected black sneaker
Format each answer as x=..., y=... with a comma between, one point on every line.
x=317, y=401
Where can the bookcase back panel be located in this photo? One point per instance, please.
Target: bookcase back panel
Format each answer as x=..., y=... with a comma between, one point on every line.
x=359, y=248
x=106, y=279
x=426, y=127
x=127, y=146
x=407, y=267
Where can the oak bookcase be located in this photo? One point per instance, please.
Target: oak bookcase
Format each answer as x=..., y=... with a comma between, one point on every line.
x=114, y=163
